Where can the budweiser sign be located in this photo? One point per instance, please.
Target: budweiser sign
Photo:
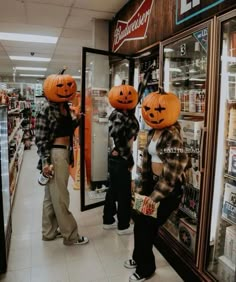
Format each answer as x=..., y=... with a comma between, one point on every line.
x=135, y=28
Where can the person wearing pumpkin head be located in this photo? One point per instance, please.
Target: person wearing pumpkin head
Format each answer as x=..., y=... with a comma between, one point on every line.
x=123, y=130
x=55, y=124
x=162, y=178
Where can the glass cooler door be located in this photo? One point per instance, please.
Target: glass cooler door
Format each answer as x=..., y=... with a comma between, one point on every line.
x=101, y=70
x=5, y=207
x=185, y=60
x=221, y=259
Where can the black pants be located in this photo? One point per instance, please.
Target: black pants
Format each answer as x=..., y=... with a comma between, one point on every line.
x=119, y=191
x=145, y=232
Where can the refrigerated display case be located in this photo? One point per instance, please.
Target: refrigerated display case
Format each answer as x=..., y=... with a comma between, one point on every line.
x=5, y=198
x=184, y=61
x=185, y=74
x=221, y=258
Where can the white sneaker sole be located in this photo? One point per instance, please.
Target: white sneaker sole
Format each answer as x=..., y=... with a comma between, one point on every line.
x=110, y=226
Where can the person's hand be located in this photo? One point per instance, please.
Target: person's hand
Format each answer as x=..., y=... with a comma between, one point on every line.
x=114, y=153
x=75, y=112
x=149, y=201
x=48, y=170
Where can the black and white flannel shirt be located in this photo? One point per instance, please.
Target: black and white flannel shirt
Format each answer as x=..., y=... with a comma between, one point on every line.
x=123, y=126
x=45, y=126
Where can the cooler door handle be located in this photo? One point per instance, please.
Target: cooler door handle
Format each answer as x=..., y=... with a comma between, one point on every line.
x=202, y=151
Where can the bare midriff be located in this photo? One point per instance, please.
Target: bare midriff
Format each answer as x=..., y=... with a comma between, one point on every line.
x=62, y=141
x=157, y=168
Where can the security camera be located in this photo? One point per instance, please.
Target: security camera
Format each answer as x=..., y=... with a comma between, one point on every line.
x=32, y=53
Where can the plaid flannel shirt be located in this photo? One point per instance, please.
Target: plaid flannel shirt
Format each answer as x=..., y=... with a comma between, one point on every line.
x=45, y=126
x=123, y=126
x=171, y=152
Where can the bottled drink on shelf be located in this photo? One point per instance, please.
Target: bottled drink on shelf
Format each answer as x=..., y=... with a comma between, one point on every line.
x=198, y=103
x=232, y=123
x=192, y=101
x=203, y=101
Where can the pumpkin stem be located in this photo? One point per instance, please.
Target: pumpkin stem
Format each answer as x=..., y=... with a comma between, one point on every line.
x=161, y=90
x=63, y=70
x=123, y=82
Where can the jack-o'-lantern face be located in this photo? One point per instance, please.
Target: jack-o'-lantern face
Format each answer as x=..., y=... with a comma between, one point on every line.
x=59, y=87
x=123, y=97
x=160, y=110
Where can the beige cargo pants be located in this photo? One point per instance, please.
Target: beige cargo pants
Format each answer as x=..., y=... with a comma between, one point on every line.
x=56, y=201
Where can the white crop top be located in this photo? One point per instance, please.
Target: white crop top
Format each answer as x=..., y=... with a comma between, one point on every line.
x=153, y=152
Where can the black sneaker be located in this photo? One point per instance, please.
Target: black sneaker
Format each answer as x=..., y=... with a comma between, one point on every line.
x=81, y=241
x=130, y=264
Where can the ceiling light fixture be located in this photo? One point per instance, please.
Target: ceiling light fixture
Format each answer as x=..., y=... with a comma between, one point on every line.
x=28, y=37
x=27, y=58
x=32, y=75
x=76, y=77
x=31, y=68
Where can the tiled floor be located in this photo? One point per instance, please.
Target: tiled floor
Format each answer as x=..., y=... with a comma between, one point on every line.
x=33, y=260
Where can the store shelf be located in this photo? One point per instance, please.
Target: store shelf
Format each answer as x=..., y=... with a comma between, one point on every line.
x=231, y=140
x=187, y=213
x=15, y=130
x=16, y=152
x=231, y=101
x=13, y=111
x=228, y=220
x=230, y=176
x=192, y=114
x=17, y=176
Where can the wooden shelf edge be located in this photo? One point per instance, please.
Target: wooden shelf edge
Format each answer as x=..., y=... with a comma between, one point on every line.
x=16, y=179
x=17, y=149
x=15, y=130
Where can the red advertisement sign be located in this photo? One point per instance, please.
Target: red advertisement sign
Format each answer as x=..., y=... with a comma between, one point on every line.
x=135, y=28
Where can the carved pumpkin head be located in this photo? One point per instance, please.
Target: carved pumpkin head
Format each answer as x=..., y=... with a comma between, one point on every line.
x=160, y=110
x=123, y=97
x=59, y=87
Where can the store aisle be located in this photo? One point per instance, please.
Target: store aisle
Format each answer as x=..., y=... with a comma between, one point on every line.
x=33, y=260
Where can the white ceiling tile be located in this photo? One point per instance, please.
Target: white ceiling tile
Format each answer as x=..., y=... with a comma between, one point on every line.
x=15, y=51
x=79, y=22
x=111, y=6
x=66, y=3
x=64, y=42
x=12, y=11
x=24, y=49
x=92, y=14
x=44, y=14
x=76, y=33
x=29, y=29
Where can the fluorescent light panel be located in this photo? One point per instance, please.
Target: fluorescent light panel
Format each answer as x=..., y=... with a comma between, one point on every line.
x=27, y=58
x=32, y=75
x=32, y=69
x=76, y=77
x=28, y=37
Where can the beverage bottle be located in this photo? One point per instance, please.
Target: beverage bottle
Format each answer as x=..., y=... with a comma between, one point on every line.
x=232, y=123
x=43, y=179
